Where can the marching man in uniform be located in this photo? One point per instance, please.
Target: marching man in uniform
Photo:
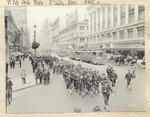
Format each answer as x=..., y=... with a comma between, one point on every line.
x=106, y=90
x=128, y=77
x=113, y=78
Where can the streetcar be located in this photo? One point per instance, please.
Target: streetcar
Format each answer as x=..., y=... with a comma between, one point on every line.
x=94, y=57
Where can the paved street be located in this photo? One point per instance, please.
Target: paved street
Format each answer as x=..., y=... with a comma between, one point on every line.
x=55, y=98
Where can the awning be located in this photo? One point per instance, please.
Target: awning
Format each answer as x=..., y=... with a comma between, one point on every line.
x=138, y=49
x=16, y=53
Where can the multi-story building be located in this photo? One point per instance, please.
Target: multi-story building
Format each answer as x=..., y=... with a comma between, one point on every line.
x=74, y=35
x=9, y=30
x=20, y=18
x=76, y=31
x=13, y=37
x=55, y=29
x=117, y=26
x=45, y=34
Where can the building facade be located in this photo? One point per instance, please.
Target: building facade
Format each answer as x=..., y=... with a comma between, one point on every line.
x=55, y=29
x=20, y=18
x=45, y=35
x=116, y=26
x=75, y=33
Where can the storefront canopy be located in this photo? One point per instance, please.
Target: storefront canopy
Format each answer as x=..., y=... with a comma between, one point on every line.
x=16, y=53
x=138, y=49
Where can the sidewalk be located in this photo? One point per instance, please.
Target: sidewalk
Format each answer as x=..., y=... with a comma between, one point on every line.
x=14, y=75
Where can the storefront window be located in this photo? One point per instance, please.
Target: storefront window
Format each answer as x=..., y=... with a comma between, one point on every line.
x=130, y=33
x=141, y=32
x=114, y=35
x=122, y=34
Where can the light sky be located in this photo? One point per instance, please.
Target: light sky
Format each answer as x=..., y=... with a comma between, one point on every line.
x=38, y=14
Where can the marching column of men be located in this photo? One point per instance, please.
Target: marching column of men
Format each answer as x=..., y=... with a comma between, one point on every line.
x=84, y=81
x=42, y=74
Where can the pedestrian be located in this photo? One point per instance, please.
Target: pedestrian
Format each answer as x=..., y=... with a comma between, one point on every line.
x=129, y=77
x=13, y=63
x=20, y=62
x=106, y=90
x=10, y=63
x=9, y=90
x=36, y=73
x=45, y=77
x=23, y=76
x=48, y=75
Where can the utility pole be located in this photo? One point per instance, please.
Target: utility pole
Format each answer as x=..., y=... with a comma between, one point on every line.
x=34, y=39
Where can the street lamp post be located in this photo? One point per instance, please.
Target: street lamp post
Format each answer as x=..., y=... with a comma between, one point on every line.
x=34, y=39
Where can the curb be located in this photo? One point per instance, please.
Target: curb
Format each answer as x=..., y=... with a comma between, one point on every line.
x=26, y=87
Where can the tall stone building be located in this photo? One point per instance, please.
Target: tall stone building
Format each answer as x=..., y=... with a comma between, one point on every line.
x=20, y=18
x=117, y=27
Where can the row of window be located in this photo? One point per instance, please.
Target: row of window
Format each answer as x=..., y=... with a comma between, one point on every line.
x=131, y=16
x=119, y=35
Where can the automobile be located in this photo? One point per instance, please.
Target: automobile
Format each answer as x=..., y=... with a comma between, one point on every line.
x=116, y=56
x=141, y=64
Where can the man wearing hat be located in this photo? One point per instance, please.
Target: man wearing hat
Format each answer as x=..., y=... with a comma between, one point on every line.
x=108, y=70
x=128, y=77
x=23, y=76
x=36, y=73
x=45, y=76
x=41, y=75
x=106, y=90
x=103, y=79
x=113, y=78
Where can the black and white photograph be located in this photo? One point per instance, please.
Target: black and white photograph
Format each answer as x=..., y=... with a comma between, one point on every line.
x=75, y=58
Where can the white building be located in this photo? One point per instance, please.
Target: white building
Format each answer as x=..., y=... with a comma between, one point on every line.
x=76, y=31
x=117, y=26
x=56, y=27
x=75, y=35
x=45, y=35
